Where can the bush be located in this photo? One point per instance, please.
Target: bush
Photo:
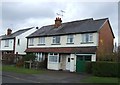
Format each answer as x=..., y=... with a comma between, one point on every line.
x=109, y=69
x=8, y=58
x=88, y=67
x=29, y=57
x=20, y=63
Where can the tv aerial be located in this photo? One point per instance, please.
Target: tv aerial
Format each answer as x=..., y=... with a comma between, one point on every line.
x=60, y=13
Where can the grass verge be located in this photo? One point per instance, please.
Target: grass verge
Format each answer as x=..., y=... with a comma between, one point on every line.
x=94, y=79
x=21, y=70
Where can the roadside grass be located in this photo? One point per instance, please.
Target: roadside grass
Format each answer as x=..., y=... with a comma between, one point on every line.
x=94, y=79
x=0, y=67
x=22, y=70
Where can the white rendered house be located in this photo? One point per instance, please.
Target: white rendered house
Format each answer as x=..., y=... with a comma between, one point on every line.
x=16, y=42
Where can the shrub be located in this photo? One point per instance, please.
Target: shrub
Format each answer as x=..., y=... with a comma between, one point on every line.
x=105, y=69
x=20, y=63
x=8, y=58
x=88, y=67
x=29, y=57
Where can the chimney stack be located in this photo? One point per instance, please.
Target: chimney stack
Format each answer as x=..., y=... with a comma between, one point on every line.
x=9, y=31
x=58, y=22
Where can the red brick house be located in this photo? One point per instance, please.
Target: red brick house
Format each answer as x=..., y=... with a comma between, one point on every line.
x=65, y=45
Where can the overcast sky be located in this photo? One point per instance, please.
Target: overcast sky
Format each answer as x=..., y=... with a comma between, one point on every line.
x=19, y=15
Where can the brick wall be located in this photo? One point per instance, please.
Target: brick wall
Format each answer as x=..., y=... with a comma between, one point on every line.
x=106, y=39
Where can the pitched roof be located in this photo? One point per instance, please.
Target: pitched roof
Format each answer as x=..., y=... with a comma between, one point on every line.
x=64, y=50
x=13, y=35
x=80, y=26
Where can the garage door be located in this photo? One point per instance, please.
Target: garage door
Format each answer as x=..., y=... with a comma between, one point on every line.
x=80, y=62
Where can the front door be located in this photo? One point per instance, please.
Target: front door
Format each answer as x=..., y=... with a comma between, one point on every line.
x=80, y=62
x=67, y=62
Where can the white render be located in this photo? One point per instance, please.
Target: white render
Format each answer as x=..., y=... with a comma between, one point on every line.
x=23, y=41
x=0, y=43
x=63, y=62
x=10, y=47
x=63, y=41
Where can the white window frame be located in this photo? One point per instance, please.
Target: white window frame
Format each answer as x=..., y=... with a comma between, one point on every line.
x=87, y=38
x=6, y=43
x=42, y=40
x=31, y=41
x=39, y=57
x=69, y=38
x=54, y=55
x=56, y=40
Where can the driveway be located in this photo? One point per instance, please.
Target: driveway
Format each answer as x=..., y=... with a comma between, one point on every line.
x=47, y=77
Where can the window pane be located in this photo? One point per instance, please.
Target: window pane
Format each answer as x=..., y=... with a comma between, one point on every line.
x=87, y=58
x=31, y=40
x=55, y=54
x=18, y=41
x=39, y=57
x=70, y=39
x=87, y=37
x=53, y=58
x=56, y=39
x=42, y=40
x=90, y=37
x=68, y=59
x=6, y=42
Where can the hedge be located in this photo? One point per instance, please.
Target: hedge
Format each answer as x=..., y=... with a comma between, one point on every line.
x=108, y=69
x=88, y=67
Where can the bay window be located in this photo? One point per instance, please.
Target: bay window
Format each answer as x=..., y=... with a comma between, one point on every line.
x=39, y=57
x=54, y=57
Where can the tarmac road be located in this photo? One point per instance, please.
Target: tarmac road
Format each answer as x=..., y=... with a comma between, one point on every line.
x=47, y=77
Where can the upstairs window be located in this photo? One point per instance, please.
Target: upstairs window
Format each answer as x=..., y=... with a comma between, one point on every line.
x=6, y=43
x=31, y=41
x=87, y=38
x=56, y=40
x=18, y=42
x=42, y=40
x=70, y=39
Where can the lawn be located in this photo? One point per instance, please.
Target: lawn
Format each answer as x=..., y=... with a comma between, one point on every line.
x=94, y=79
x=10, y=68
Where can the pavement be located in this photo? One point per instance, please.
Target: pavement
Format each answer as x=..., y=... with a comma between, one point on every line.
x=46, y=77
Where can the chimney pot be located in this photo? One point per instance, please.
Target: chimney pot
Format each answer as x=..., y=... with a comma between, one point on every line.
x=58, y=22
x=9, y=31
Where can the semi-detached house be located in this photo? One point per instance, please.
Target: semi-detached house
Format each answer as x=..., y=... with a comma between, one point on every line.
x=65, y=45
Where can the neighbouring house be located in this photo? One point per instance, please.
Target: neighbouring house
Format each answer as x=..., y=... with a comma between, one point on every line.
x=65, y=46
x=119, y=47
x=0, y=47
x=15, y=43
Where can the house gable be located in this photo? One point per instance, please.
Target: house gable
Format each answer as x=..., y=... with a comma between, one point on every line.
x=106, y=38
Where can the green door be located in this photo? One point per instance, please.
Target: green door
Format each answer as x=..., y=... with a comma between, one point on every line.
x=80, y=62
